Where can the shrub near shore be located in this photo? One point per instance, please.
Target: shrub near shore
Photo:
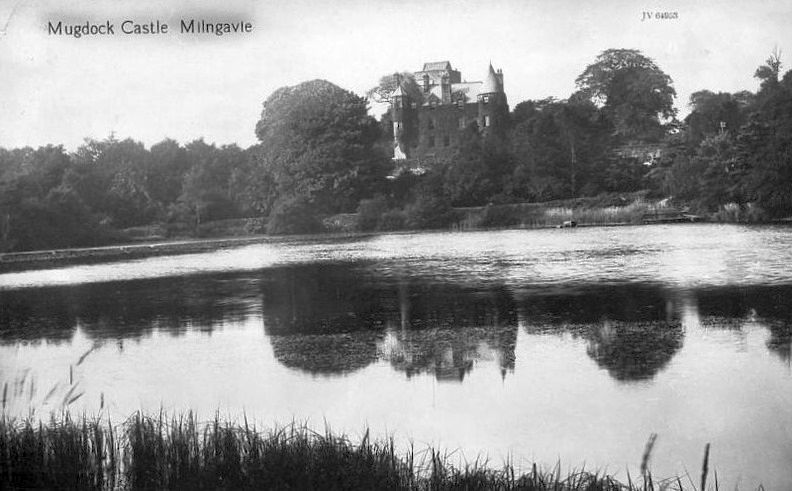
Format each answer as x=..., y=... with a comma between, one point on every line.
x=182, y=453
x=375, y=214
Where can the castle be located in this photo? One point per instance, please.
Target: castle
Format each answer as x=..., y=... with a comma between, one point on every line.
x=431, y=123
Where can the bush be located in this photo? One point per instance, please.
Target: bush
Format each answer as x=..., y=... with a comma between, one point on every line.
x=293, y=215
x=734, y=213
x=392, y=220
x=370, y=212
x=256, y=225
x=428, y=212
x=499, y=216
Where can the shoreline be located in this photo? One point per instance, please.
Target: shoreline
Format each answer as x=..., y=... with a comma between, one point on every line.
x=30, y=260
x=43, y=259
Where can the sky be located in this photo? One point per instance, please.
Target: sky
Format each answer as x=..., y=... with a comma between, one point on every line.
x=60, y=89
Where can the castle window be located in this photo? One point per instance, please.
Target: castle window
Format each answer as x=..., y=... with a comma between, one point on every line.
x=430, y=124
x=486, y=121
x=398, y=102
x=446, y=141
x=485, y=99
x=413, y=105
x=462, y=123
x=461, y=104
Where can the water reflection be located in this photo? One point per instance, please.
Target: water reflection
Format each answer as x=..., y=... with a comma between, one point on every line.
x=585, y=341
x=124, y=310
x=449, y=354
x=634, y=351
x=337, y=318
x=780, y=340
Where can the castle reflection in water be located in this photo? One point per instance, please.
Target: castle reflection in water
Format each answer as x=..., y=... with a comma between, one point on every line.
x=336, y=318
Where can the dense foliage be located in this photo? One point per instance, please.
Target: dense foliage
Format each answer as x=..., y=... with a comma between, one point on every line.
x=320, y=146
x=730, y=158
x=634, y=93
x=49, y=198
x=320, y=153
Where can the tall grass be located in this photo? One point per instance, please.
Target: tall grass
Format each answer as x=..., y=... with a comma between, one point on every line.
x=158, y=452
x=540, y=215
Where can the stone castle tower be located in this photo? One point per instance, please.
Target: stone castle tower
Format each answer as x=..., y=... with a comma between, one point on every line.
x=433, y=125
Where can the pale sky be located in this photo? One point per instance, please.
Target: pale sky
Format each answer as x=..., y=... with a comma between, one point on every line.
x=58, y=89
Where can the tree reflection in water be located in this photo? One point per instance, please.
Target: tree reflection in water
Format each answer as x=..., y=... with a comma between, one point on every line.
x=633, y=351
x=340, y=317
x=331, y=319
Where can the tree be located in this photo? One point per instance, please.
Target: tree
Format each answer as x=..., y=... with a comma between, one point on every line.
x=293, y=215
x=478, y=171
x=632, y=90
x=252, y=184
x=112, y=177
x=318, y=142
x=769, y=72
x=722, y=175
x=709, y=110
x=54, y=218
x=205, y=191
x=169, y=164
x=673, y=174
x=560, y=149
x=537, y=151
x=388, y=84
x=765, y=144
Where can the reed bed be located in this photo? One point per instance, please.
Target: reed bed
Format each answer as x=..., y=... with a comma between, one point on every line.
x=159, y=452
x=542, y=215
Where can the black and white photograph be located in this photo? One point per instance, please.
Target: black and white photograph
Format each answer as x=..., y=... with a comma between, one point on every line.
x=396, y=245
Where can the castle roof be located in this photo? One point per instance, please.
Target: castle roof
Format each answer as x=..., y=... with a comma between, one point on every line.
x=437, y=65
x=436, y=91
x=491, y=83
x=398, y=92
x=470, y=89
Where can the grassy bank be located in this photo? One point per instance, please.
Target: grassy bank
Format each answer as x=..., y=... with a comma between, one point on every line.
x=604, y=210
x=544, y=215
x=181, y=453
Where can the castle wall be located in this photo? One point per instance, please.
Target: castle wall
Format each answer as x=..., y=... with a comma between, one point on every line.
x=493, y=113
x=441, y=128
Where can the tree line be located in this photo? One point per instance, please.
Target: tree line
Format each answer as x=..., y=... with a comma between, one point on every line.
x=729, y=158
x=50, y=198
x=320, y=153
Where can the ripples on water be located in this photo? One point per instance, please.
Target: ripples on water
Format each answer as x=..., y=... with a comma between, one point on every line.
x=548, y=344
x=689, y=255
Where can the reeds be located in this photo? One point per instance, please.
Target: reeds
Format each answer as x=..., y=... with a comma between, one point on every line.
x=62, y=453
x=553, y=214
x=160, y=452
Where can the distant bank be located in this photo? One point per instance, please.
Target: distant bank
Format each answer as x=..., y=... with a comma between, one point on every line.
x=149, y=241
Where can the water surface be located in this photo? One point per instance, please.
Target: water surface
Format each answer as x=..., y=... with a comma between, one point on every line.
x=533, y=345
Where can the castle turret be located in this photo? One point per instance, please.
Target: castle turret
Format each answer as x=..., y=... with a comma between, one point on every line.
x=492, y=106
x=399, y=104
